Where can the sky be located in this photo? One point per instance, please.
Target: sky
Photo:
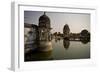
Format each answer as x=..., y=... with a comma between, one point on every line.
x=76, y=21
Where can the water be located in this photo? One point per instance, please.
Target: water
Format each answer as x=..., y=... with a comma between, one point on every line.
x=62, y=49
x=65, y=49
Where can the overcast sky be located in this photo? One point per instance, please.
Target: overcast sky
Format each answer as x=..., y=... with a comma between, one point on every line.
x=76, y=22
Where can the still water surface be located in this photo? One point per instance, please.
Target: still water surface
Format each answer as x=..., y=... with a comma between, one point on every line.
x=62, y=49
x=65, y=49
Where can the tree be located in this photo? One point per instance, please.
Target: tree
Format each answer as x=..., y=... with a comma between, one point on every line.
x=84, y=33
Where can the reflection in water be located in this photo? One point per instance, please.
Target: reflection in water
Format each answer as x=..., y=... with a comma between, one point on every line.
x=37, y=51
x=38, y=42
x=66, y=43
x=57, y=39
x=55, y=50
x=38, y=56
x=44, y=46
x=85, y=40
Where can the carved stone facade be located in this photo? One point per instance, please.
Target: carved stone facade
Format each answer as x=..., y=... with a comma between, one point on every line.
x=44, y=28
x=38, y=37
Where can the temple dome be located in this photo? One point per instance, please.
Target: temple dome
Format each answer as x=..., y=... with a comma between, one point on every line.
x=66, y=29
x=44, y=21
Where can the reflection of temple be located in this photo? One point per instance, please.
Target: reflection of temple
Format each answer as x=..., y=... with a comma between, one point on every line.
x=66, y=43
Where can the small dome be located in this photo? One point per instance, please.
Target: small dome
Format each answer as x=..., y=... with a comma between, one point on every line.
x=44, y=21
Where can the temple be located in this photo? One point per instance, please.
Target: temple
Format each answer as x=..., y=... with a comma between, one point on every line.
x=38, y=35
x=44, y=28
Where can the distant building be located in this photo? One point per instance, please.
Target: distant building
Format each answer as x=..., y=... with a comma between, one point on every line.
x=66, y=31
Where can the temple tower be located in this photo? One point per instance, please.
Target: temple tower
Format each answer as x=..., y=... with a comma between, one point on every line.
x=44, y=28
